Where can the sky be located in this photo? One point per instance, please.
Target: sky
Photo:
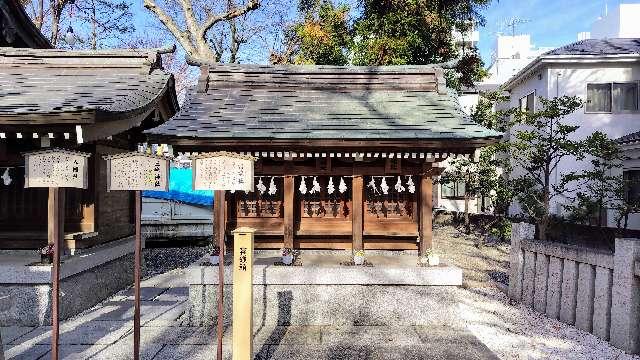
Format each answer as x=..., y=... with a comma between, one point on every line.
x=551, y=23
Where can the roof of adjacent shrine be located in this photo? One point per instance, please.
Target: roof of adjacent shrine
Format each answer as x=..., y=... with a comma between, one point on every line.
x=314, y=103
x=58, y=87
x=17, y=29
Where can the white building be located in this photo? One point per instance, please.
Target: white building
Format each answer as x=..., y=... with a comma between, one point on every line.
x=621, y=22
x=605, y=74
x=510, y=55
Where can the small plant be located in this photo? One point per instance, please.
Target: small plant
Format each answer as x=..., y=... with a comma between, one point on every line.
x=46, y=254
x=287, y=256
x=287, y=251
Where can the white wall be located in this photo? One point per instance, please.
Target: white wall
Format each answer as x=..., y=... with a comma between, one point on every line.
x=573, y=81
x=620, y=22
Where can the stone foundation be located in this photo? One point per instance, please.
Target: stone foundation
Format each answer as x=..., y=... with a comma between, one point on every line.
x=25, y=295
x=338, y=296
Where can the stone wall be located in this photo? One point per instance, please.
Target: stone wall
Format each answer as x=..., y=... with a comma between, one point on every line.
x=595, y=290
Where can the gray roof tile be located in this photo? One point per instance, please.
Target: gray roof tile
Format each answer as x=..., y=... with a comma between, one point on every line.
x=323, y=102
x=599, y=47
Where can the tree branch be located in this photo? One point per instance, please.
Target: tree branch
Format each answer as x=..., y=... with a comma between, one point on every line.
x=171, y=25
x=230, y=14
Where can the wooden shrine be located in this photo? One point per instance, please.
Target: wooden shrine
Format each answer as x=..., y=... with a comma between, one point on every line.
x=327, y=138
x=97, y=102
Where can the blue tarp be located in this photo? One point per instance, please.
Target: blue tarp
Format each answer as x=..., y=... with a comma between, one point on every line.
x=180, y=189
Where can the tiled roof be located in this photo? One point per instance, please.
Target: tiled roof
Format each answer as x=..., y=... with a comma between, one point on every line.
x=599, y=47
x=17, y=29
x=101, y=84
x=629, y=138
x=322, y=102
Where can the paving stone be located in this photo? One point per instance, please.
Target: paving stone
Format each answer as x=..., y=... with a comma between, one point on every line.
x=364, y=335
x=178, y=294
x=289, y=335
x=146, y=293
x=11, y=333
x=193, y=352
x=25, y=351
x=124, y=351
x=97, y=332
x=123, y=311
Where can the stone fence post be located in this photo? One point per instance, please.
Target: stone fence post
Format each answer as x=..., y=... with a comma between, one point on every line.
x=625, y=297
x=519, y=232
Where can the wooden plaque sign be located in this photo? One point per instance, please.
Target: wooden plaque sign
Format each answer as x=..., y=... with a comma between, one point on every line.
x=53, y=168
x=223, y=171
x=137, y=171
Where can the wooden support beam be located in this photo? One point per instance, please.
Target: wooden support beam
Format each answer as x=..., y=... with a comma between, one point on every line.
x=289, y=198
x=219, y=230
x=357, y=212
x=137, y=273
x=55, y=236
x=426, y=214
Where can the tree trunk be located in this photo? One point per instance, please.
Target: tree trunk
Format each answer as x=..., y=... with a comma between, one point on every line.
x=467, y=224
x=94, y=30
x=40, y=15
x=543, y=226
x=55, y=23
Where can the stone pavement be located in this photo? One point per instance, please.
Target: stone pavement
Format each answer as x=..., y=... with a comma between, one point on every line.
x=105, y=332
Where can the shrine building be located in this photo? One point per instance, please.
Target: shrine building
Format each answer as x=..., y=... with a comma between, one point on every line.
x=346, y=155
x=97, y=102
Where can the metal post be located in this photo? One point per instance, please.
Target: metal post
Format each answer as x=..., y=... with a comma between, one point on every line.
x=137, y=274
x=56, y=234
x=219, y=231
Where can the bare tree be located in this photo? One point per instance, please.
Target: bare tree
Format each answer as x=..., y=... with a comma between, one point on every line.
x=190, y=21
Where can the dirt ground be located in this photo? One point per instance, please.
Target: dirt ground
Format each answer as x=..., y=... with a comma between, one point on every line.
x=484, y=264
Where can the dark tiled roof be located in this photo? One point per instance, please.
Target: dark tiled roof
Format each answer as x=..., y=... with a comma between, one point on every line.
x=38, y=82
x=629, y=138
x=599, y=47
x=322, y=102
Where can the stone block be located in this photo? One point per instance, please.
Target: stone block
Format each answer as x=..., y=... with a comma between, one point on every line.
x=540, y=286
x=625, y=297
x=569, y=292
x=1, y=347
x=602, y=303
x=554, y=288
x=519, y=231
x=586, y=291
x=528, y=282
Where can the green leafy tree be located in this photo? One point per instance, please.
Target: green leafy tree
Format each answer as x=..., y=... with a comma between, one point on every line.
x=418, y=32
x=600, y=187
x=321, y=37
x=539, y=142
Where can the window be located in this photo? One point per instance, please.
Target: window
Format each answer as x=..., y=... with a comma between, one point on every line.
x=527, y=103
x=625, y=97
x=632, y=185
x=612, y=97
x=598, y=98
x=453, y=190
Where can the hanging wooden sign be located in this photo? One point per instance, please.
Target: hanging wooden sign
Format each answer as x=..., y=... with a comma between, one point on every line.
x=137, y=171
x=56, y=168
x=222, y=171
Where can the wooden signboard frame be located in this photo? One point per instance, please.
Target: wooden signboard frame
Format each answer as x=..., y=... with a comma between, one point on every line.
x=202, y=182
x=35, y=169
x=141, y=176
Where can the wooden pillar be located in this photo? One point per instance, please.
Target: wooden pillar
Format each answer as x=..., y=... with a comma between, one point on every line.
x=137, y=273
x=289, y=198
x=426, y=214
x=56, y=237
x=219, y=230
x=357, y=188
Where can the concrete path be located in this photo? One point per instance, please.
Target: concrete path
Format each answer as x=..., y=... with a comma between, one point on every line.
x=105, y=332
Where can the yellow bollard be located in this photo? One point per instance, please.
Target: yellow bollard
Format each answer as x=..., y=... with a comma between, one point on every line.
x=242, y=293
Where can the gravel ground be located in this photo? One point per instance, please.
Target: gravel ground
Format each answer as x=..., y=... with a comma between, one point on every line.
x=483, y=264
x=161, y=260
x=517, y=332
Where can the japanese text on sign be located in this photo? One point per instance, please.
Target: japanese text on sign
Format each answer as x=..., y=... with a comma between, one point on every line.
x=223, y=173
x=56, y=169
x=242, y=264
x=138, y=172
